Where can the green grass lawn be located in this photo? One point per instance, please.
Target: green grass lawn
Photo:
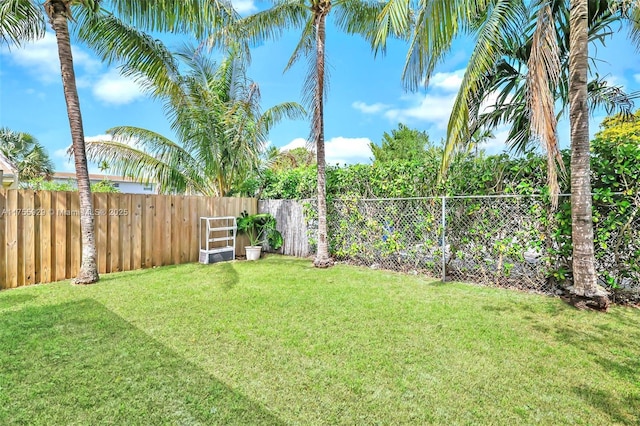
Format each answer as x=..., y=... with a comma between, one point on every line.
x=279, y=342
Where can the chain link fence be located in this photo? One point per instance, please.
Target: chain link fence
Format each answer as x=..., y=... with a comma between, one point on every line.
x=507, y=241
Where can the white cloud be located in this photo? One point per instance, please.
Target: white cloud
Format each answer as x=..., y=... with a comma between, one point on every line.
x=370, y=109
x=41, y=59
x=447, y=81
x=340, y=150
x=431, y=107
x=343, y=150
x=296, y=143
x=616, y=80
x=98, y=138
x=428, y=108
x=636, y=77
x=113, y=88
x=244, y=6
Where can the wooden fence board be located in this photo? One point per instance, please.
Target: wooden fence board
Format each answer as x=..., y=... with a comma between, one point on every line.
x=158, y=226
x=102, y=248
x=12, y=240
x=29, y=238
x=124, y=215
x=115, y=233
x=194, y=225
x=136, y=232
x=75, y=236
x=148, y=232
x=59, y=235
x=3, y=238
x=20, y=239
x=45, y=266
x=177, y=231
x=166, y=231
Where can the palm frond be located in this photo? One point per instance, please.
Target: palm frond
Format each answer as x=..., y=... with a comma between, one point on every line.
x=438, y=23
x=21, y=21
x=142, y=57
x=372, y=19
x=144, y=155
x=500, y=21
x=612, y=98
x=196, y=17
x=271, y=23
x=396, y=20
x=544, y=73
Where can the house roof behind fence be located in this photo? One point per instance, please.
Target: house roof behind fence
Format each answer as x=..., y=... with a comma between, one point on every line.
x=7, y=166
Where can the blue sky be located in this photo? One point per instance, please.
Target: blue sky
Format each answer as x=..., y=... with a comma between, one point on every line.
x=365, y=97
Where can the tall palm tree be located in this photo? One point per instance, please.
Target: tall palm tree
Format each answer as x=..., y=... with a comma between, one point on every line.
x=29, y=156
x=310, y=17
x=434, y=25
x=513, y=78
x=585, y=281
x=113, y=39
x=214, y=111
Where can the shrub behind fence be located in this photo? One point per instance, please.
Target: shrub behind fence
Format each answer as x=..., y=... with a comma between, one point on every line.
x=40, y=238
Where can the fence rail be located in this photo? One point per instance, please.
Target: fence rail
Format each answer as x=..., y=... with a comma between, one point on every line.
x=40, y=238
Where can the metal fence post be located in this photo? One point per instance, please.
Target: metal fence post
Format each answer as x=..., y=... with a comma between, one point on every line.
x=443, y=240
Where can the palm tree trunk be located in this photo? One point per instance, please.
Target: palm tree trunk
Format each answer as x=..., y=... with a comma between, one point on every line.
x=321, y=10
x=585, y=283
x=59, y=12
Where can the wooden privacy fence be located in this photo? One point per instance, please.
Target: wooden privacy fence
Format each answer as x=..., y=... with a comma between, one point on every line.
x=291, y=223
x=40, y=238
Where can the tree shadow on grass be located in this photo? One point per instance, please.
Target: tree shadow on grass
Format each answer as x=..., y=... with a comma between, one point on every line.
x=621, y=411
x=79, y=363
x=226, y=275
x=617, y=353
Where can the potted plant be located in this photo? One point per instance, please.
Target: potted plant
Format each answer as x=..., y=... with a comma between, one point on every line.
x=261, y=229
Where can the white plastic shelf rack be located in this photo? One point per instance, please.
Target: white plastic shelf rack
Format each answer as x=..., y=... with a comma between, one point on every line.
x=217, y=239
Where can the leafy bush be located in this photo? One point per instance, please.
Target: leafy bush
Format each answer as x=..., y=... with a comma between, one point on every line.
x=40, y=184
x=261, y=229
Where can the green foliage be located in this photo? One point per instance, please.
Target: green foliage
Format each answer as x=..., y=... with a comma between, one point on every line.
x=616, y=169
x=292, y=158
x=104, y=186
x=40, y=184
x=469, y=175
x=28, y=155
x=260, y=228
x=403, y=144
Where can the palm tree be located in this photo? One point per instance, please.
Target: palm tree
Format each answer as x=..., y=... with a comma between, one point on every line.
x=309, y=16
x=585, y=281
x=29, y=156
x=432, y=29
x=113, y=39
x=215, y=113
x=514, y=76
